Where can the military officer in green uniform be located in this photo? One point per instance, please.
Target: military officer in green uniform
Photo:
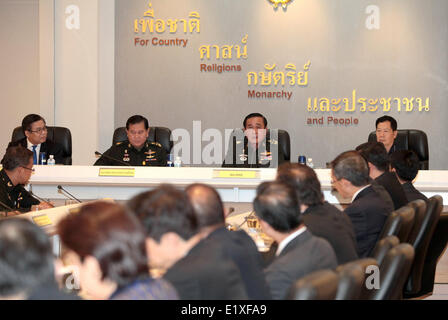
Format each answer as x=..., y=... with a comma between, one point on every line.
x=136, y=151
x=254, y=146
x=17, y=167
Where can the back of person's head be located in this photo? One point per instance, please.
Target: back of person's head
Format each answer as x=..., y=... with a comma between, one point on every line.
x=165, y=209
x=276, y=203
x=107, y=232
x=393, y=122
x=207, y=204
x=406, y=164
x=350, y=165
x=376, y=154
x=26, y=258
x=29, y=120
x=304, y=180
x=255, y=115
x=16, y=156
x=137, y=119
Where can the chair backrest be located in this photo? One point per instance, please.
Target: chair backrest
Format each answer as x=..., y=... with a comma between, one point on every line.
x=383, y=246
x=420, y=207
x=318, y=285
x=391, y=225
x=60, y=135
x=411, y=139
x=161, y=135
x=393, y=273
x=421, y=243
x=352, y=277
x=407, y=214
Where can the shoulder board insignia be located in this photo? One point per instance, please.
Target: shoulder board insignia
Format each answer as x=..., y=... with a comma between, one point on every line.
x=118, y=143
x=156, y=144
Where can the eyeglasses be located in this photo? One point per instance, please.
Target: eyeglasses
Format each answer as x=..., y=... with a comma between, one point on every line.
x=31, y=169
x=39, y=130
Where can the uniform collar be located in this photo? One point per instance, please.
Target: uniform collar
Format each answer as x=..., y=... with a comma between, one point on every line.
x=8, y=182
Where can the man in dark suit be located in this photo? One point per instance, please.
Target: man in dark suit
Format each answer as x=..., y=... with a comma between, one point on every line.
x=376, y=156
x=35, y=130
x=405, y=164
x=321, y=218
x=299, y=252
x=386, y=133
x=198, y=269
x=238, y=245
x=368, y=210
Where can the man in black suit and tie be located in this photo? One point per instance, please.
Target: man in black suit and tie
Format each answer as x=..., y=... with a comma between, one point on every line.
x=376, y=156
x=405, y=164
x=299, y=252
x=238, y=245
x=199, y=270
x=321, y=218
x=35, y=130
x=368, y=210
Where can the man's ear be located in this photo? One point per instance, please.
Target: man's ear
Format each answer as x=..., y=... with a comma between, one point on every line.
x=395, y=134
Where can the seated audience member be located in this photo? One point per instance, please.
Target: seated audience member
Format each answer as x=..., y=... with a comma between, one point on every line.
x=405, y=164
x=368, y=210
x=35, y=130
x=107, y=245
x=199, y=270
x=238, y=245
x=27, y=264
x=299, y=252
x=137, y=150
x=252, y=148
x=386, y=132
x=379, y=164
x=321, y=218
x=17, y=169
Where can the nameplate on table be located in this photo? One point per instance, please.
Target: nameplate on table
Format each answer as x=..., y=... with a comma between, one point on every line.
x=42, y=220
x=117, y=172
x=240, y=174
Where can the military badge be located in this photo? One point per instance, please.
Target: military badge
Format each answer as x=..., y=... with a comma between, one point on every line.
x=273, y=141
x=243, y=157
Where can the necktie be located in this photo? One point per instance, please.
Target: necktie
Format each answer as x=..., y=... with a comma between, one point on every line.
x=34, y=155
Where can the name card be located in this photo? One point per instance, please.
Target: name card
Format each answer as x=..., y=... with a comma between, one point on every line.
x=117, y=172
x=42, y=220
x=241, y=174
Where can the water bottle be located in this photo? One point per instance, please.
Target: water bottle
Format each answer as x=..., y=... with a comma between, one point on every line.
x=302, y=160
x=43, y=158
x=309, y=163
x=169, y=160
x=177, y=162
x=51, y=161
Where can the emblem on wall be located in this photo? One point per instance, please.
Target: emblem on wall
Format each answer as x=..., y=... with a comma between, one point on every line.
x=284, y=3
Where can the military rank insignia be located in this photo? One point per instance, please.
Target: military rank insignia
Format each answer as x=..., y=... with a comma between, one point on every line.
x=126, y=156
x=243, y=157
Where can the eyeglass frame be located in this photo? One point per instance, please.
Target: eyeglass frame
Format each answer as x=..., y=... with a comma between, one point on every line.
x=40, y=130
x=31, y=169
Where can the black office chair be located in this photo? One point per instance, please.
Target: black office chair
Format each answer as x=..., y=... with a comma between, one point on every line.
x=352, y=276
x=161, y=135
x=60, y=135
x=399, y=223
x=411, y=139
x=383, y=246
x=318, y=285
x=393, y=273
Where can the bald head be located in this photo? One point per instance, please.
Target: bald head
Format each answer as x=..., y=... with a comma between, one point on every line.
x=207, y=204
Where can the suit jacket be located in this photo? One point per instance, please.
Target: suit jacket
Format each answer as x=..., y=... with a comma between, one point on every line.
x=390, y=182
x=328, y=222
x=49, y=147
x=304, y=254
x=244, y=253
x=206, y=273
x=368, y=213
x=412, y=193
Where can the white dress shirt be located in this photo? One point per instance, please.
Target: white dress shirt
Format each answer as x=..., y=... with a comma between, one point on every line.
x=288, y=239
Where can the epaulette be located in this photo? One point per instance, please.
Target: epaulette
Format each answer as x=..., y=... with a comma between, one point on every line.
x=156, y=144
x=118, y=143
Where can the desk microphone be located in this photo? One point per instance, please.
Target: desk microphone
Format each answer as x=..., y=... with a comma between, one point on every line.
x=110, y=158
x=72, y=197
x=39, y=198
x=7, y=207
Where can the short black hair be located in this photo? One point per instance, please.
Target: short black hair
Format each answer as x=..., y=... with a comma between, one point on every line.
x=350, y=165
x=16, y=156
x=276, y=203
x=304, y=180
x=26, y=257
x=393, y=122
x=207, y=204
x=137, y=119
x=376, y=154
x=111, y=234
x=165, y=209
x=255, y=115
x=406, y=164
x=29, y=120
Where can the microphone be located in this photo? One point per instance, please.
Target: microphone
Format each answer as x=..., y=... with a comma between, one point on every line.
x=6, y=206
x=72, y=197
x=38, y=198
x=110, y=158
